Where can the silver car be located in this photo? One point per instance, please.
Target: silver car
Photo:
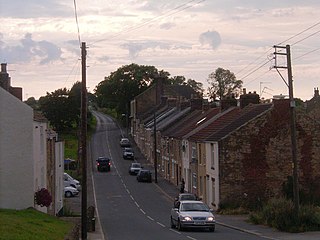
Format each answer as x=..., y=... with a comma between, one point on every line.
x=135, y=168
x=192, y=214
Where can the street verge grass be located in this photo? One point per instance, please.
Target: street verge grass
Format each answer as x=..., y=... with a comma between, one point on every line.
x=279, y=214
x=31, y=224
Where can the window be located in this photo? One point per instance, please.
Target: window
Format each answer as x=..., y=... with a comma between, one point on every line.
x=212, y=155
x=194, y=181
x=194, y=153
x=213, y=192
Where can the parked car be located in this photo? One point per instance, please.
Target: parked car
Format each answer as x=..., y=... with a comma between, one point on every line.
x=135, y=168
x=103, y=164
x=192, y=214
x=70, y=181
x=128, y=153
x=184, y=196
x=70, y=192
x=124, y=142
x=144, y=176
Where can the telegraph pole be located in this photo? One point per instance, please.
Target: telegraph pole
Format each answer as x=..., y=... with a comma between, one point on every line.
x=84, y=144
x=292, y=124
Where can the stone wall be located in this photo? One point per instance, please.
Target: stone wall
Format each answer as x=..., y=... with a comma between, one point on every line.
x=256, y=160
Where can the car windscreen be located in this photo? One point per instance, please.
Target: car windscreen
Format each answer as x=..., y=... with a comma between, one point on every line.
x=194, y=207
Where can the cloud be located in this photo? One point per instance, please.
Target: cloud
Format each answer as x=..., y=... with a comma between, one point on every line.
x=167, y=26
x=35, y=8
x=28, y=49
x=211, y=38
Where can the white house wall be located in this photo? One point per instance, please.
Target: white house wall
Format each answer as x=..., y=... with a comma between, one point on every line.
x=40, y=158
x=213, y=195
x=59, y=153
x=16, y=153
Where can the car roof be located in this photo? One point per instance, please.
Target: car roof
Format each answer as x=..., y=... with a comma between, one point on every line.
x=124, y=139
x=103, y=158
x=135, y=163
x=191, y=201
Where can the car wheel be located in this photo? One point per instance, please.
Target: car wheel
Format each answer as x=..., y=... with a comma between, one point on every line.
x=68, y=194
x=172, y=223
x=180, y=228
x=212, y=229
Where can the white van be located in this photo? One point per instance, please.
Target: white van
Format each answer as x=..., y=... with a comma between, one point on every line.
x=69, y=181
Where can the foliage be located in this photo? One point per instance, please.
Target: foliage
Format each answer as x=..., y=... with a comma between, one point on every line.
x=30, y=224
x=32, y=102
x=308, y=195
x=118, y=89
x=58, y=109
x=62, y=108
x=279, y=213
x=223, y=83
x=43, y=198
x=121, y=86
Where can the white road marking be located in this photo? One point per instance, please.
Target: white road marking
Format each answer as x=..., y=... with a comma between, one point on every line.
x=161, y=224
x=175, y=231
x=150, y=218
x=137, y=204
x=191, y=238
x=132, y=197
x=143, y=211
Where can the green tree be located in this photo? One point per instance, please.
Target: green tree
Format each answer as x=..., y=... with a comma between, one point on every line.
x=58, y=109
x=32, y=102
x=118, y=89
x=223, y=83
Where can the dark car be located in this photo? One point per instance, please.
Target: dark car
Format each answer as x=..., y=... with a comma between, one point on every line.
x=184, y=196
x=103, y=164
x=144, y=176
x=128, y=153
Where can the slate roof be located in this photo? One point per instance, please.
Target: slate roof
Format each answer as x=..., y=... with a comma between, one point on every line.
x=182, y=90
x=228, y=122
x=247, y=114
x=188, y=124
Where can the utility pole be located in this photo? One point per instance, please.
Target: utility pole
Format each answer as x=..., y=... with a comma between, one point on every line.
x=84, y=144
x=292, y=123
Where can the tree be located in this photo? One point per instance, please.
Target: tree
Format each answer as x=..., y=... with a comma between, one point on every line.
x=32, y=102
x=118, y=89
x=223, y=83
x=58, y=109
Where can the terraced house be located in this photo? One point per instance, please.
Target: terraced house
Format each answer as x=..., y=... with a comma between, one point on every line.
x=236, y=151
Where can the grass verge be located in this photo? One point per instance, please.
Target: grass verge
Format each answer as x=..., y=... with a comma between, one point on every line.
x=31, y=224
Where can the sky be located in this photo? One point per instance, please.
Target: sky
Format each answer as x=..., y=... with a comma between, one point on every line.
x=40, y=41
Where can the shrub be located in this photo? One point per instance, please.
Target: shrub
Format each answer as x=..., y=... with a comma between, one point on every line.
x=42, y=197
x=279, y=213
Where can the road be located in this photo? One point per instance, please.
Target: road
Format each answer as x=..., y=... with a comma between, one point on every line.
x=132, y=210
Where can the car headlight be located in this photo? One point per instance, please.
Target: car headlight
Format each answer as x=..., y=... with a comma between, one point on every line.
x=187, y=218
x=210, y=219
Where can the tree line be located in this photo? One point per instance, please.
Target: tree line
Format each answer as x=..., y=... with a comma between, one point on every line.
x=62, y=107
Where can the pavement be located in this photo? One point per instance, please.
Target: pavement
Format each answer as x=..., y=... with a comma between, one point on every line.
x=236, y=222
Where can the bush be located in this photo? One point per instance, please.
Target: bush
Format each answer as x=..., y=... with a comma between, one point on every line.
x=42, y=197
x=279, y=213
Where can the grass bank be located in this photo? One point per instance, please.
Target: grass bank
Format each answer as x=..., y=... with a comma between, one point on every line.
x=31, y=224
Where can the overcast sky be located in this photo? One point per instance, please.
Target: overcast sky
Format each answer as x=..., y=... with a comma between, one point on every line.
x=40, y=43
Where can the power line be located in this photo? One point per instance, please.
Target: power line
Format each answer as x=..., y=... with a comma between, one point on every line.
x=76, y=16
x=256, y=69
x=306, y=37
x=312, y=51
x=171, y=12
x=314, y=25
